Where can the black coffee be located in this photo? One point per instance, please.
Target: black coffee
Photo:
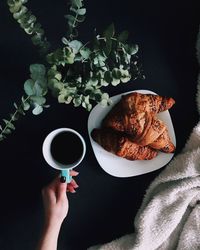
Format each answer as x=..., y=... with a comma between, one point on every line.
x=66, y=148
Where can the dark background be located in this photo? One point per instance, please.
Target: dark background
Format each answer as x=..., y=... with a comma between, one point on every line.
x=104, y=206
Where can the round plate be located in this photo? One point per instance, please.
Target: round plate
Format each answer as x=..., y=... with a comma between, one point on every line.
x=120, y=167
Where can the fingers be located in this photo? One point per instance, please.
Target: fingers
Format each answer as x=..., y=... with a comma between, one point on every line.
x=61, y=187
x=72, y=186
x=74, y=173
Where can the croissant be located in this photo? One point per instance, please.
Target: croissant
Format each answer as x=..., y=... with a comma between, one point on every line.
x=146, y=103
x=133, y=124
x=120, y=145
x=163, y=143
x=143, y=127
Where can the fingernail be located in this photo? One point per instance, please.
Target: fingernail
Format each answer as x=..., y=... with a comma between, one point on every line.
x=63, y=179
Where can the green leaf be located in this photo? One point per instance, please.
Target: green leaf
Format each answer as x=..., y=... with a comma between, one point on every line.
x=7, y=131
x=75, y=45
x=9, y=124
x=110, y=31
x=77, y=3
x=81, y=11
x=123, y=36
x=15, y=105
x=85, y=52
x=116, y=73
x=38, y=71
x=26, y=106
x=19, y=14
x=108, y=76
x=77, y=101
x=115, y=81
x=38, y=100
x=71, y=19
x=61, y=98
x=125, y=79
x=29, y=87
x=38, y=88
x=131, y=49
x=105, y=96
x=37, y=110
x=58, y=76
x=65, y=41
x=70, y=58
x=104, y=102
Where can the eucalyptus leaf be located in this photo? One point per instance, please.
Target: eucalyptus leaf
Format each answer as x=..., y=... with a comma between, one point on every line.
x=70, y=18
x=77, y=3
x=116, y=73
x=123, y=36
x=9, y=124
x=75, y=45
x=108, y=76
x=81, y=11
x=65, y=41
x=7, y=131
x=40, y=100
x=29, y=87
x=37, y=110
x=39, y=91
x=26, y=106
x=37, y=71
x=61, y=98
x=77, y=101
x=110, y=31
x=115, y=81
x=104, y=102
x=133, y=49
x=15, y=105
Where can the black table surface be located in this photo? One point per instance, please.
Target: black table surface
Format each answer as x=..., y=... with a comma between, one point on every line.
x=104, y=207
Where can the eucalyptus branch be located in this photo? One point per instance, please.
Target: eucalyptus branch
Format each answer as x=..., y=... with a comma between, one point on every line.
x=29, y=23
x=76, y=72
x=76, y=16
x=9, y=126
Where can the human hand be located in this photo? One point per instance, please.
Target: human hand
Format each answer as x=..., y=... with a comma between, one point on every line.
x=55, y=200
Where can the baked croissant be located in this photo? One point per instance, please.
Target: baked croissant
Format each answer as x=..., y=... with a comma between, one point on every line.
x=146, y=103
x=143, y=127
x=133, y=124
x=163, y=143
x=120, y=145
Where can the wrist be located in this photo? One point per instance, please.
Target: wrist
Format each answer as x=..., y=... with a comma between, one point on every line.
x=52, y=225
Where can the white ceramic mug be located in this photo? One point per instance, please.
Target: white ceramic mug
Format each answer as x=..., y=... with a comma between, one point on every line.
x=46, y=150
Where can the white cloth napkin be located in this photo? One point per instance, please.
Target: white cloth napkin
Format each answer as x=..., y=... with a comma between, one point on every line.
x=169, y=217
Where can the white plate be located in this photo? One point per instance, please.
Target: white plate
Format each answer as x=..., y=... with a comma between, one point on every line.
x=120, y=167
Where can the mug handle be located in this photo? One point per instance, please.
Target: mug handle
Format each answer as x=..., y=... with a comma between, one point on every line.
x=65, y=174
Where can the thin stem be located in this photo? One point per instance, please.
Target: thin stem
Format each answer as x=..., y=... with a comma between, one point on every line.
x=12, y=117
